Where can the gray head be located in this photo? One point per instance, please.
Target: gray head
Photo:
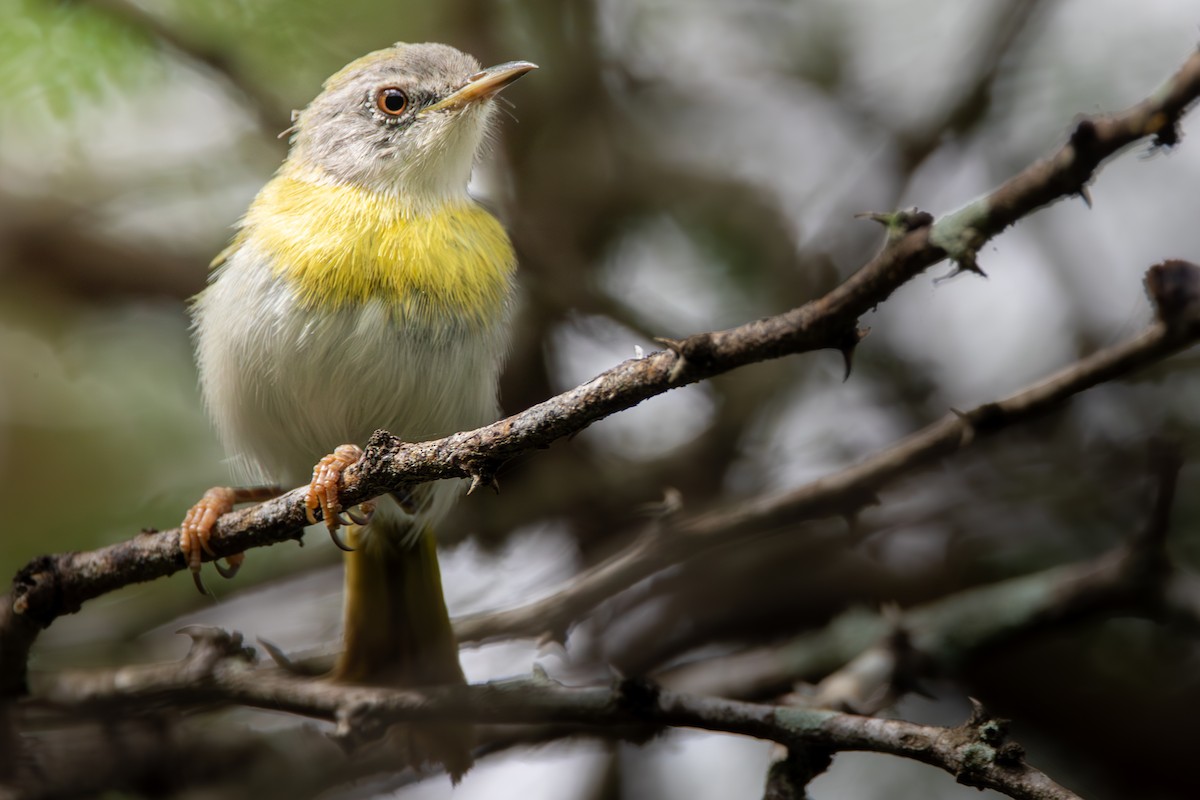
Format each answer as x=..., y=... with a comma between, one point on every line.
x=407, y=119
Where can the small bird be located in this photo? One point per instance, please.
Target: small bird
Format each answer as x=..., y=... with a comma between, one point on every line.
x=365, y=289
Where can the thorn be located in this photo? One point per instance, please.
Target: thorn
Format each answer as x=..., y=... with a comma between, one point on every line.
x=671, y=503
x=968, y=430
x=479, y=479
x=900, y=222
x=965, y=262
x=1086, y=195
x=541, y=676
x=979, y=714
x=848, y=346
x=884, y=219
x=206, y=633
x=277, y=655
x=676, y=347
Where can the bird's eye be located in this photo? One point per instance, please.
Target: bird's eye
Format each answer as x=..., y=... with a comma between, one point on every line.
x=391, y=101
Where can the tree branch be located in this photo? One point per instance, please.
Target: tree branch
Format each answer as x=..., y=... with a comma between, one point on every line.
x=866, y=660
x=219, y=670
x=841, y=493
x=54, y=585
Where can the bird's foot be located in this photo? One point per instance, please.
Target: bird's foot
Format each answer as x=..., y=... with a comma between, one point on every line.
x=323, y=493
x=196, y=530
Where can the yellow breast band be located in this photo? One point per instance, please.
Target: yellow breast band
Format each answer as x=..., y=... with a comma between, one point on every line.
x=340, y=245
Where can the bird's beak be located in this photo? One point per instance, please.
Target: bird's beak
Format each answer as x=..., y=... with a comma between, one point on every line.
x=482, y=85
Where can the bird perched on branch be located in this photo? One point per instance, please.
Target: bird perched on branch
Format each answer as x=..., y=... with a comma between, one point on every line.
x=365, y=289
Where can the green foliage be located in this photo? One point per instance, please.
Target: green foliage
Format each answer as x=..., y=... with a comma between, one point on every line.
x=55, y=55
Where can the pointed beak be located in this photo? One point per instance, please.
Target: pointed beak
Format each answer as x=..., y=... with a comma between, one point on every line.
x=482, y=85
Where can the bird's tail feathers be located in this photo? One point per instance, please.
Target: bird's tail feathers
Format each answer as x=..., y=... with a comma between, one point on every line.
x=397, y=633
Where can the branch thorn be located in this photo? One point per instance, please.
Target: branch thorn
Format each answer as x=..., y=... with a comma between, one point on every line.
x=676, y=347
x=900, y=222
x=479, y=479
x=968, y=426
x=847, y=346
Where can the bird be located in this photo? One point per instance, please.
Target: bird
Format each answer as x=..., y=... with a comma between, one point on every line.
x=364, y=289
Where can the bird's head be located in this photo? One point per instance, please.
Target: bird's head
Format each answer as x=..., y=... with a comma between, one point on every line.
x=408, y=119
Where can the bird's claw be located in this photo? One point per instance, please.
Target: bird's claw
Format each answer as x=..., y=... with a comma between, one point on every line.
x=323, y=492
x=366, y=511
x=196, y=530
x=232, y=564
x=337, y=540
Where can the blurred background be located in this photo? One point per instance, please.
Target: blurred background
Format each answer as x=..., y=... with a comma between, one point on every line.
x=675, y=166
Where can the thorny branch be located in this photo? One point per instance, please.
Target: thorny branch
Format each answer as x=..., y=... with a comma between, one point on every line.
x=219, y=670
x=939, y=635
x=841, y=493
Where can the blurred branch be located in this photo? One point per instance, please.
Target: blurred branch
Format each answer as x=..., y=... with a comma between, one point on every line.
x=218, y=670
x=974, y=98
x=41, y=240
x=158, y=754
x=841, y=493
x=54, y=585
x=271, y=117
x=788, y=777
x=876, y=658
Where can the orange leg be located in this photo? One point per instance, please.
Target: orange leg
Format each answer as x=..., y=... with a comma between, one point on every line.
x=323, y=493
x=196, y=530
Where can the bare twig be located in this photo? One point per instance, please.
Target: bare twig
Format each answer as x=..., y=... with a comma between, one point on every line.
x=219, y=671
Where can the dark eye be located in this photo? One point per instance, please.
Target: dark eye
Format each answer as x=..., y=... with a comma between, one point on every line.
x=391, y=101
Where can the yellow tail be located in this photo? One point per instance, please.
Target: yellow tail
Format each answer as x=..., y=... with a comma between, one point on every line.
x=398, y=633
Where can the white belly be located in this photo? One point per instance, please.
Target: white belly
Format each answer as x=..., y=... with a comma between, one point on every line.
x=286, y=385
